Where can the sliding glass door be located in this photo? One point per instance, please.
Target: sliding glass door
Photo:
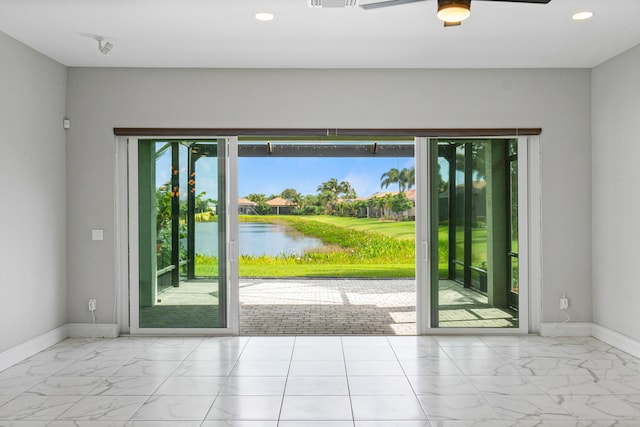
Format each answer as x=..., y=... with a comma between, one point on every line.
x=182, y=237
x=475, y=218
x=471, y=252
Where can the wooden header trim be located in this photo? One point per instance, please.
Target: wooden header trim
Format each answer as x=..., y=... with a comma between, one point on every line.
x=325, y=132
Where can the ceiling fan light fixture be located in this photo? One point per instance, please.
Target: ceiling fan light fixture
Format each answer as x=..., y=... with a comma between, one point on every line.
x=454, y=11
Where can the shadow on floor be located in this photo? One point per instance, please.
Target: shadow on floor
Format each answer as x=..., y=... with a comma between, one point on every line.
x=301, y=306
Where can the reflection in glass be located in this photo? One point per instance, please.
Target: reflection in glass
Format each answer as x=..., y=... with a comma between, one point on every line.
x=178, y=188
x=477, y=261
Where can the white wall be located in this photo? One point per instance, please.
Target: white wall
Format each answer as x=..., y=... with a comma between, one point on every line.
x=33, y=289
x=616, y=193
x=556, y=100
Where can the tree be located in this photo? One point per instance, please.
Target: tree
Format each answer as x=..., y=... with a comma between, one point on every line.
x=405, y=178
x=376, y=204
x=386, y=202
x=409, y=177
x=163, y=207
x=290, y=194
x=309, y=205
x=478, y=157
x=347, y=191
x=400, y=204
x=443, y=184
x=255, y=197
x=358, y=206
x=262, y=208
x=330, y=191
x=392, y=176
x=202, y=204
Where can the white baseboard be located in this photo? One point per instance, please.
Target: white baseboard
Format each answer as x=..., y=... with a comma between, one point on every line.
x=89, y=330
x=569, y=329
x=28, y=348
x=616, y=339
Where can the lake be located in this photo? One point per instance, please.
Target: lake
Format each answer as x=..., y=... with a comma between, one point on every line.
x=256, y=239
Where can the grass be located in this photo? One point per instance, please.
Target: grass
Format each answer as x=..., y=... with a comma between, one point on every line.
x=206, y=217
x=404, y=230
x=292, y=268
x=355, y=247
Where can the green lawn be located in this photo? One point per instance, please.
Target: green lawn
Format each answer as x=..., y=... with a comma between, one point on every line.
x=252, y=269
x=358, y=248
x=404, y=230
x=362, y=247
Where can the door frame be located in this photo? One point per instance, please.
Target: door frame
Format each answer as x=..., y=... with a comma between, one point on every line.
x=529, y=232
x=127, y=258
x=531, y=180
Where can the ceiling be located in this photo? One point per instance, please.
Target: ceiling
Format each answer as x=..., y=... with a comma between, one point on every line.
x=225, y=34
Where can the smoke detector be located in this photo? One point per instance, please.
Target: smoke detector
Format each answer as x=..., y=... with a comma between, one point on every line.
x=333, y=3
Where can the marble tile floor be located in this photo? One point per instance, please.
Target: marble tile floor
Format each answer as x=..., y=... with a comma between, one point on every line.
x=324, y=381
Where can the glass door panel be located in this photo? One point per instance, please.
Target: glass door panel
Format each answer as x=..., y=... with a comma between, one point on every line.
x=181, y=241
x=458, y=217
x=513, y=221
x=477, y=285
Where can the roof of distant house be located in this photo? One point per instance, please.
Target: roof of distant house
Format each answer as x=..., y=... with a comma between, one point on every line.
x=245, y=202
x=279, y=201
x=410, y=194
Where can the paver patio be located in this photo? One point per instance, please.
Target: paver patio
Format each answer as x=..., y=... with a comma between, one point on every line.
x=324, y=307
x=327, y=307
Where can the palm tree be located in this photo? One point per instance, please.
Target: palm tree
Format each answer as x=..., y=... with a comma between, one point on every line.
x=331, y=190
x=376, y=205
x=409, y=177
x=257, y=197
x=386, y=203
x=390, y=177
x=405, y=178
x=347, y=190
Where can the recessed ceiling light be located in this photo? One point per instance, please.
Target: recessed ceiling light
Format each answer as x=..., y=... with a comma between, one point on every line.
x=581, y=16
x=264, y=16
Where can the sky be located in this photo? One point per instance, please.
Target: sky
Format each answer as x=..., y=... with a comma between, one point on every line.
x=271, y=175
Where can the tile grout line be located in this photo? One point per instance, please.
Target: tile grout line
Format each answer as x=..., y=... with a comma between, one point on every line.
x=286, y=381
x=344, y=362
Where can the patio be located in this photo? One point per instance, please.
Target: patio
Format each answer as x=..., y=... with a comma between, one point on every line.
x=324, y=307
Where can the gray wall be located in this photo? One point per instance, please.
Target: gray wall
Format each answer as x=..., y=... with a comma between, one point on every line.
x=556, y=100
x=616, y=193
x=33, y=258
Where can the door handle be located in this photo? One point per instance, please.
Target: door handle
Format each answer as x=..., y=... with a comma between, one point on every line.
x=233, y=255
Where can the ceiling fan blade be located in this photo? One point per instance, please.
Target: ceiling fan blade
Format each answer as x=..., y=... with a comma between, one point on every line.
x=387, y=4
x=521, y=1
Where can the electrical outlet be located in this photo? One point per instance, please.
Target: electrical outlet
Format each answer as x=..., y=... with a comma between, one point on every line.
x=564, y=303
x=92, y=305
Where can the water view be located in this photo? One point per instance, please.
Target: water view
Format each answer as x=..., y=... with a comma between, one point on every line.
x=256, y=239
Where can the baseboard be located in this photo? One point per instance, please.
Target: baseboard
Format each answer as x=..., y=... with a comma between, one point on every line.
x=90, y=330
x=616, y=339
x=28, y=348
x=569, y=329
